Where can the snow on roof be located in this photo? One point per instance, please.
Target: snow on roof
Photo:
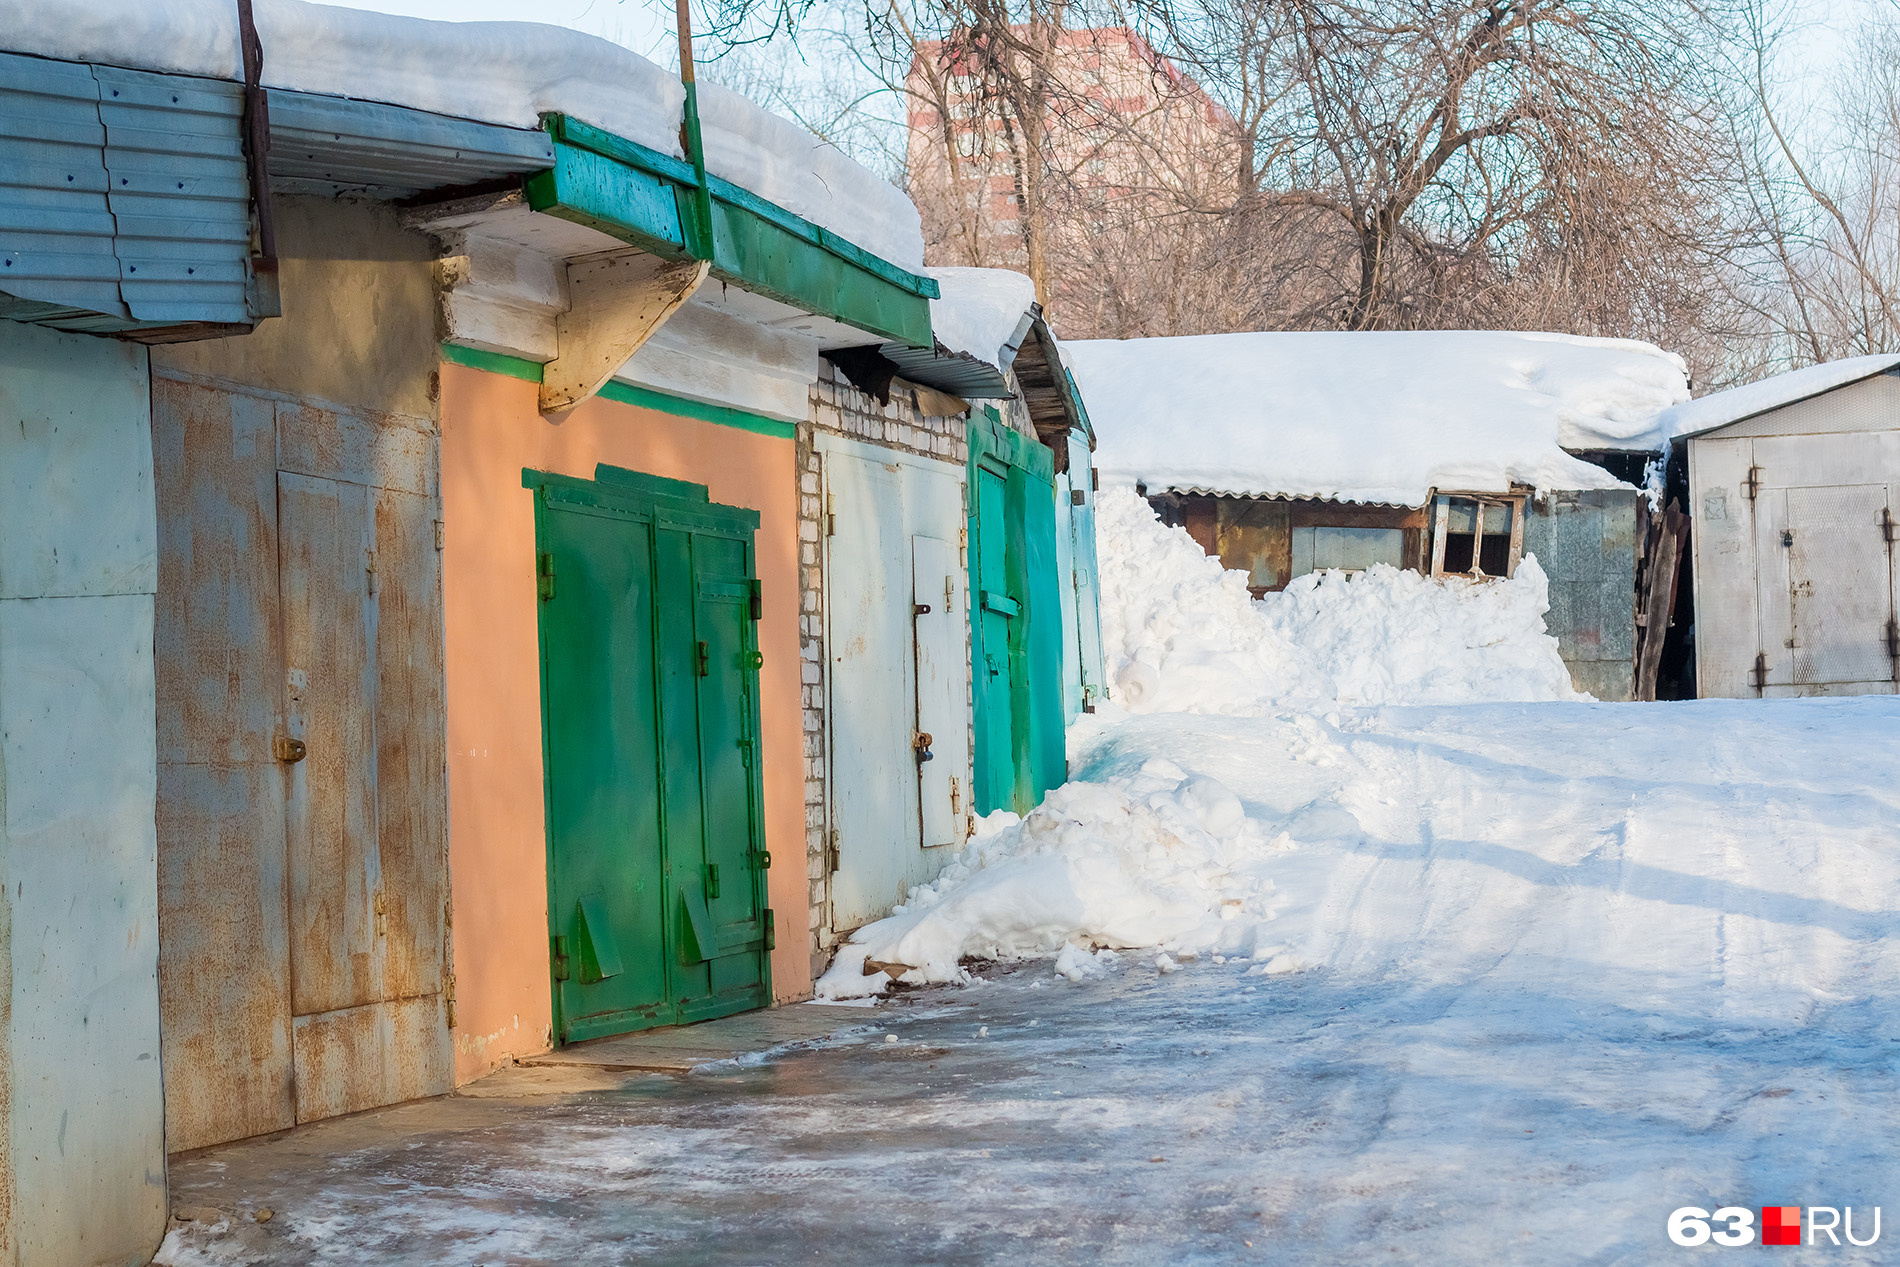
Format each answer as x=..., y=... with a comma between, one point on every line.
x=1708, y=412
x=1370, y=416
x=508, y=73
x=981, y=312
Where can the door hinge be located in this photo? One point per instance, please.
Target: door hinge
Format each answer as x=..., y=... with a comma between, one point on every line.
x=702, y=660
x=771, y=930
x=831, y=852
x=544, y=576
x=557, y=956
x=1752, y=485
x=712, y=880
x=1888, y=528
x=758, y=599
x=369, y=571
x=381, y=909
x=1893, y=641
x=831, y=517
x=438, y=534
x=448, y=997
x=1758, y=676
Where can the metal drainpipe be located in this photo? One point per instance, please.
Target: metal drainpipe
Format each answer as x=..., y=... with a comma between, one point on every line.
x=690, y=139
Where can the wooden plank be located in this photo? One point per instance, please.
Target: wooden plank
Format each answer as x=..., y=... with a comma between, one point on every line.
x=329, y=631
x=411, y=745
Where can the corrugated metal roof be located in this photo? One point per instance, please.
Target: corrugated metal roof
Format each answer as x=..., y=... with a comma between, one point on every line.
x=956, y=372
x=331, y=145
x=179, y=193
x=56, y=230
x=123, y=198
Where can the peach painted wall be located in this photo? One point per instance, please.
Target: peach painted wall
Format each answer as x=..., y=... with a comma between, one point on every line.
x=491, y=430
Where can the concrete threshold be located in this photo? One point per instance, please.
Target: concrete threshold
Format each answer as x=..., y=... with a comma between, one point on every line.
x=678, y=1048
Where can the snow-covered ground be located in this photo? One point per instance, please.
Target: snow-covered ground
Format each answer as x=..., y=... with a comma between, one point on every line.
x=1327, y=968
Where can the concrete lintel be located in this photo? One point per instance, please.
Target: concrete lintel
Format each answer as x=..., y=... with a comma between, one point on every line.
x=615, y=303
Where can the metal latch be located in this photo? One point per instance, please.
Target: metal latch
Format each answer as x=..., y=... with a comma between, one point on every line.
x=921, y=747
x=288, y=750
x=1758, y=676
x=1752, y=485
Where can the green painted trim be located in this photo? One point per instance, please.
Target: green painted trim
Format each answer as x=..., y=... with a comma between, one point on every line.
x=680, y=407
x=492, y=362
x=626, y=393
x=585, y=136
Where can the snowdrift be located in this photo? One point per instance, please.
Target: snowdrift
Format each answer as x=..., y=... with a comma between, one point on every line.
x=1735, y=856
x=1181, y=634
x=1730, y=858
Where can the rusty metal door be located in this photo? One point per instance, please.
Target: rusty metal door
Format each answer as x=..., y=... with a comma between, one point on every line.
x=364, y=866
x=302, y=920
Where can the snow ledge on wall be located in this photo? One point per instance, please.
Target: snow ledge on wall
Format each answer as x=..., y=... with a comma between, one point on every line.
x=506, y=73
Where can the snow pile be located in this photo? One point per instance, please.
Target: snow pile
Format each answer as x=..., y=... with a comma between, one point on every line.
x=1371, y=416
x=507, y=73
x=983, y=312
x=1738, y=403
x=1181, y=634
x=1731, y=858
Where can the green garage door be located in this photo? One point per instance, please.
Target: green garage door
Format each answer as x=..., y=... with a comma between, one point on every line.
x=650, y=723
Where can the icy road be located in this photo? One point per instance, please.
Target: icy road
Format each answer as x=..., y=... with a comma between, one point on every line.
x=1517, y=981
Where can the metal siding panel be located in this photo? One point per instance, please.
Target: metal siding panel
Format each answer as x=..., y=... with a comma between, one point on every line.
x=329, y=630
x=178, y=190
x=411, y=738
x=1722, y=539
x=338, y=143
x=364, y=1057
x=1586, y=543
x=942, y=686
x=1840, y=586
x=868, y=640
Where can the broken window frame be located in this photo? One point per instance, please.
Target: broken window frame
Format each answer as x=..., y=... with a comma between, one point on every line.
x=1512, y=503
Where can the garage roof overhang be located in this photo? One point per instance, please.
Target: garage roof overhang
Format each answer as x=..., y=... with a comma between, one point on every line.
x=646, y=199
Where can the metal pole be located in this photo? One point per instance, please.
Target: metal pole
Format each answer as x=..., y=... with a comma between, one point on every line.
x=690, y=139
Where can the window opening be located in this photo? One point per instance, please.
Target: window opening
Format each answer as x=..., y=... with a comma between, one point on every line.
x=1476, y=536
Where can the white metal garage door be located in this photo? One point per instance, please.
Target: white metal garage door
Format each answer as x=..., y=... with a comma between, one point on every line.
x=898, y=688
x=1826, y=593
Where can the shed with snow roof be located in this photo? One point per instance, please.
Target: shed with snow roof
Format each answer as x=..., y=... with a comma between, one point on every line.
x=1445, y=452
x=1794, y=498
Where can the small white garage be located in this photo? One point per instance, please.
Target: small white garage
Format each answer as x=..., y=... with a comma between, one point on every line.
x=1795, y=503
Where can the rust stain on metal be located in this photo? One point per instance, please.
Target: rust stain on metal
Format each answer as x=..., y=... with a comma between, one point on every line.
x=302, y=939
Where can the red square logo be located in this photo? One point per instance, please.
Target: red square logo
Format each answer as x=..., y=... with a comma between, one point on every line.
x=1781, y=1225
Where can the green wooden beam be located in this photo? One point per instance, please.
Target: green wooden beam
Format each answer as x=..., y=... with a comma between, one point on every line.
x=612, y=184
